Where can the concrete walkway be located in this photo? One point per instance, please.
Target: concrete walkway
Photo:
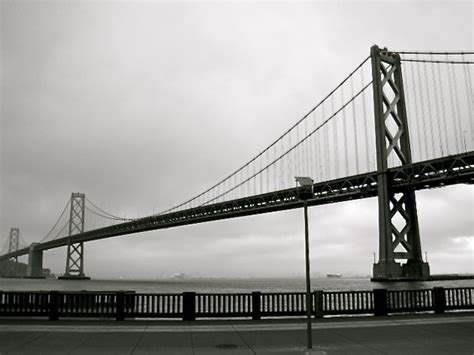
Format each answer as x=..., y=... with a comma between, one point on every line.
x=420, y=334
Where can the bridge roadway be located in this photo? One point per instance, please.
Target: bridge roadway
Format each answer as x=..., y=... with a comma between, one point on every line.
x=454, y=169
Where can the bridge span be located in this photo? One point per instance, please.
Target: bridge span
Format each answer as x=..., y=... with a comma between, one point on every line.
x=424, y=138
x=435, y=173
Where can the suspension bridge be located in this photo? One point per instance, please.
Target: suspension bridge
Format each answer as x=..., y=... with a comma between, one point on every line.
x=401, y=121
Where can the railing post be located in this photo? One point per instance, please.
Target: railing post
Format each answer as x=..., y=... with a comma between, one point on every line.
x=120, y=305
x=256, y=313
x=380, y=302
x=189, y=305
x=130, y=302
x=54, y=305
x=11, y=302
x=318, y=304
x=439, y=299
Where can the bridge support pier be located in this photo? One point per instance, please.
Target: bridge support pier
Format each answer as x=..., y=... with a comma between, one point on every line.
x=35, y=263
x=75, y=251
x=399, y=237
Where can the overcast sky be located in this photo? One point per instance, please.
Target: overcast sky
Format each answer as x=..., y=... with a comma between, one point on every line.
x=143, y=105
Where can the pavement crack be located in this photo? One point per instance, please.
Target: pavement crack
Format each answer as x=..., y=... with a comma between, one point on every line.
x=243, y=339
x=140, y=338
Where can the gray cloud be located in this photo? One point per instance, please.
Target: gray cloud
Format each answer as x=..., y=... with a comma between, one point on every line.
x=142, y=105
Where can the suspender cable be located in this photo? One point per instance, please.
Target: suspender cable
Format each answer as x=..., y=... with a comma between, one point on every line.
x=298, y=152
x=458, y=114
x=284, y=175
x=336, y=148
x=443, y=110
x=306, y=149
x=430, y=115
x=410, y=118
x=289, y=161
x=275, y=183
x=423, y=116
x=267, y=189
x=356, y=145
x=453, y=108
x=344, y=132
x=315, y=150
x=470, y=95
x=326, y=145
x=366, y=131
x=436, y=99
x=417, y=111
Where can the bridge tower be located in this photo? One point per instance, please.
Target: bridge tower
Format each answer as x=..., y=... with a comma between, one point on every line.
x=75, y=251
x=14, y=242
x=13, y=245
x=399, y=236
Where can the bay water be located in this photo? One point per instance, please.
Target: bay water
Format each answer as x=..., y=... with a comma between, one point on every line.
x=220, y=285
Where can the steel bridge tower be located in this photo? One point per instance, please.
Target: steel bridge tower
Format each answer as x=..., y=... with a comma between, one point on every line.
x=13, y=245
x=75, y=251
x=399, y=236
x=14, y=242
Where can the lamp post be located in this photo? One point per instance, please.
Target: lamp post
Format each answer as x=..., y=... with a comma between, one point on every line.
x=305, y=192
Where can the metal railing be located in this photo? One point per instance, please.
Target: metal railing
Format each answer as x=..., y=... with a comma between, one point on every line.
x=255, y=305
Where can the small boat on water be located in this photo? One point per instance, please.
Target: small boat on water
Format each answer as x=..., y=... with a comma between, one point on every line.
x=333, y=275
x=180, y=276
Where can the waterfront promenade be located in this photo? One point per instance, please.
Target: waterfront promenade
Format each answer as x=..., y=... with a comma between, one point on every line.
x=400, y=334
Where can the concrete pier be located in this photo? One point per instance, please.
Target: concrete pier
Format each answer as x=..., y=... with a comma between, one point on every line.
x=35, y=263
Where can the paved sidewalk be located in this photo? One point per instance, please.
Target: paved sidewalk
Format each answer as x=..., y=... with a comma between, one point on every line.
x=409, y=334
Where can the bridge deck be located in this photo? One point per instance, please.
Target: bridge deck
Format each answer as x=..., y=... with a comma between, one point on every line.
x=440, y=172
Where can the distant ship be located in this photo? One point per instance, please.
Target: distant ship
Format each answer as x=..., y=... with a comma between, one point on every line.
x=180, y=276
x=333, y=275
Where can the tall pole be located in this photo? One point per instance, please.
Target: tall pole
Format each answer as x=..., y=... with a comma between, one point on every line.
x=308, y=280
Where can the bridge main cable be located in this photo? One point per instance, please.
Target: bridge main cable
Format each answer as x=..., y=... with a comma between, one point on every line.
x=268, y=147
x=57, y=222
